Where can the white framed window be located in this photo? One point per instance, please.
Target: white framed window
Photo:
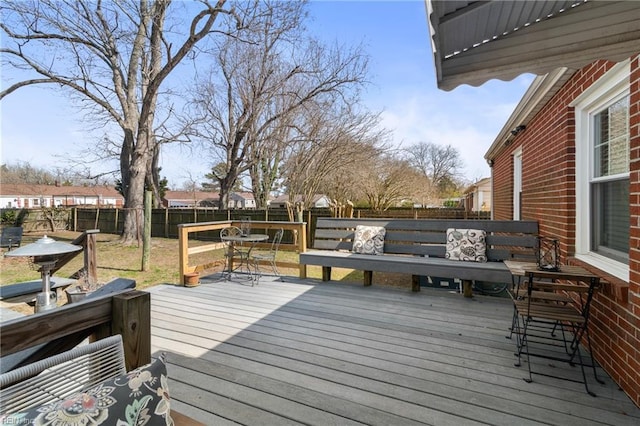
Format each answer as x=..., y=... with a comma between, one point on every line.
x=602, y=172
x=517, y=184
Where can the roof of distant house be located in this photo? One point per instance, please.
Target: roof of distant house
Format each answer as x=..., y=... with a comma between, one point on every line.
x=477, y=184
x=30, y=190
x=245, y=195
x=190, y=195
x=297, y=198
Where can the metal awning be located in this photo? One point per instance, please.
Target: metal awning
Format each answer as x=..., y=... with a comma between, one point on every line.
x=475, y=41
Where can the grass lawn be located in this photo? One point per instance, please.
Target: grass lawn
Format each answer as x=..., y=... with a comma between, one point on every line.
x=118, y=261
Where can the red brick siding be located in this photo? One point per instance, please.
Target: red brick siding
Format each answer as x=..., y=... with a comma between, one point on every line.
x=548, y=195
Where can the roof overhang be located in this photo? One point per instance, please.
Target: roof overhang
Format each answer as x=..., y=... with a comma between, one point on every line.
x=475, y=41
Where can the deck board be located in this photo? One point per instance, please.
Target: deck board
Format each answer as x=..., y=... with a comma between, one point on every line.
x=306, y=352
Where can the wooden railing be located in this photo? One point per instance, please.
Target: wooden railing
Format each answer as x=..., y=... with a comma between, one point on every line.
x=90, y=269
x=127, y=313
x=299, y=244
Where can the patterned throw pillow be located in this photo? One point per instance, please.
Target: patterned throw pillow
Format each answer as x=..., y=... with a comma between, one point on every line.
x=466, y=244
x=140, y=397
x=369, y=239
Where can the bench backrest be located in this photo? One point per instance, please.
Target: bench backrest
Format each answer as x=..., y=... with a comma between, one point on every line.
x=11, y=237
x=62, y=375
x=506, y=239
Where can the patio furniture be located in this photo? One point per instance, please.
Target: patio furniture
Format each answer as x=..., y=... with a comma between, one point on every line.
x=544, y=316
x=421, y=247
x=268, y=257
x=239, y=245
x=86, y=384
x=11, y=237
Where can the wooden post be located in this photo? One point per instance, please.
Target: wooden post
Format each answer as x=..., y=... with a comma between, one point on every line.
x=146, y=239
x=131, y=314
x=368, y=278
x=415, y=283
x=326, y=273
x=166, y=222
x=183, y=251
x=95, y=225
x=467, y=290
x=91, y=257
x=307, y=229
x=115, y=222
x=302, y=247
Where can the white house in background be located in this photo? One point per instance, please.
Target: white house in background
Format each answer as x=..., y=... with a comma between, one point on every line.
x=37, y=196
x=190, y=199
x=178, y=199
x=242, y=200
x=318, y=201
x=477, y=197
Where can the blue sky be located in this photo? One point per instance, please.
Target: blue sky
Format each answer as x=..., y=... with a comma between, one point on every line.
x=40, y=126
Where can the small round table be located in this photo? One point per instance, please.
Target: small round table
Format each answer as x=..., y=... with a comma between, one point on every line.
x=253, y=239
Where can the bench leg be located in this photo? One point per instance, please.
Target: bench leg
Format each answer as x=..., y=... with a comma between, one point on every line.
x=467, y=290
x=368, y=278
x=326, y=273
x=415, y=283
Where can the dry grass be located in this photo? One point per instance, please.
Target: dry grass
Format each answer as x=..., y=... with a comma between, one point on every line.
x=114, y=261
x=118, y=261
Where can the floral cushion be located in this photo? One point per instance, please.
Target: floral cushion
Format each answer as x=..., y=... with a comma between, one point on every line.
x=368, y=240
x=140, y=397
x=466, y=244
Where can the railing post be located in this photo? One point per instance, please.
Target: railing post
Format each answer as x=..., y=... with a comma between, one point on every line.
x=90, y=257
x=302, y=247
x=183, y=254
x=131, y=318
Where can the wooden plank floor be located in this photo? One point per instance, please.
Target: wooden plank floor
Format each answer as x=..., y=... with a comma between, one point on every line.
x=305, y=352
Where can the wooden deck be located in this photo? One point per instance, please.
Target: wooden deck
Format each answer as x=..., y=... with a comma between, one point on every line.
x=305, y=352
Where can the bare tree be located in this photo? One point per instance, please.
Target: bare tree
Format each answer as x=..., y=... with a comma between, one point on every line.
x=114, y=57
x=332, y=143
x=267, y=77
x=390, y=182
x=441, y=164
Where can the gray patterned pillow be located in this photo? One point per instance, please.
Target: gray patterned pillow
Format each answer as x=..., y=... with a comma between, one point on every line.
x=369, y=239
x=466, y=244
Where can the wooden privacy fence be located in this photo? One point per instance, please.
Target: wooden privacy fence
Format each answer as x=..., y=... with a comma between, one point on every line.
x=185, y=248
x=164, y=222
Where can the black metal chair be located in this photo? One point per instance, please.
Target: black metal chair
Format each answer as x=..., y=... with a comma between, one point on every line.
x=544, y=317
x=234, y=251
x=268, y=257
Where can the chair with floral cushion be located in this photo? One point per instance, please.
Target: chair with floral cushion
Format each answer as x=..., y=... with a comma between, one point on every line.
x=88, y=385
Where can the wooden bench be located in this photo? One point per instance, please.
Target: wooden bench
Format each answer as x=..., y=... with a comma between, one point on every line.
x=418, y=247
x=11, y=237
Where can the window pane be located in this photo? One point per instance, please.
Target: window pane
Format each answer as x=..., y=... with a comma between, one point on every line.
x=611, y=139
x=610, y=233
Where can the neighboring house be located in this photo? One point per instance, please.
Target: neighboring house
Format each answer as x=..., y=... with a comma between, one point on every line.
x=242, y=200
x=38, y=196
x=178, y=199
x=477, y=197
x=569, y=155
x=190, y=199
x=317, y=201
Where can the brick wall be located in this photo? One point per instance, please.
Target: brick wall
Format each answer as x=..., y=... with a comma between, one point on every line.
x=548, y=195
